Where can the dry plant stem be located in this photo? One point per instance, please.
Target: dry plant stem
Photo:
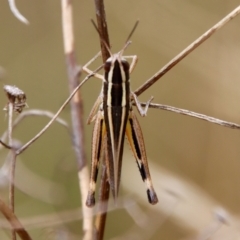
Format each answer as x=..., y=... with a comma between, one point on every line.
x=77, y=114
x=186, y=51
x=13, y=163
x=10, y=116
x=5, y=145
x=37, y=112
x=16, y=13
x=194, y=114
x=14, y=222
x=102, y=27
x=12, y=188
x=103, y=205
x=104, y=185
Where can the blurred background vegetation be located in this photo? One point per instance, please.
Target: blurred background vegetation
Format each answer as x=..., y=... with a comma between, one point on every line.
x=196, y=161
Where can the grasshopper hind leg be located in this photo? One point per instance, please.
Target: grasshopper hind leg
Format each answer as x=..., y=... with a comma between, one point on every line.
x=97, y=143
x=135, y=139
x=151, y=194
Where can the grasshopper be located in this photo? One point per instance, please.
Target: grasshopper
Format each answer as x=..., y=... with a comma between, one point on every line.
x=114, y=118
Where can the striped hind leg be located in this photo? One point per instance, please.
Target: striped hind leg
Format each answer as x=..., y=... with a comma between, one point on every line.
x=135, y=139
x=97, y=143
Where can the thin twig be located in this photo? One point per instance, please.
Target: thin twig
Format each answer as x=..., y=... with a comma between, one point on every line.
x=13, y=163
x=194, y=114
x=23, y=148
x=38, y=112
x=186, y=51
x=16, y=13
x=12, y=187
x=77, y=114
x=104, y=185
x=5, y=145
x=10, y=115
x=16, y=102
x=14, y=222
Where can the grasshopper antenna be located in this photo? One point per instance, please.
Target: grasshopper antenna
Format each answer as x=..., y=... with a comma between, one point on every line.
x=128, y=42
x=102, y=40
x=131, y=33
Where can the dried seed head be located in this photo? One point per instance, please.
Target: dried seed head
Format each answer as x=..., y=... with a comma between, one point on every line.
x=15, y=96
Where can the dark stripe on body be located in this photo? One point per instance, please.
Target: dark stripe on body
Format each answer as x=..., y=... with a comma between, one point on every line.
x=99, y=150
x=138, y=151
x=114, y=117
x=116, y=95
x=100, y=140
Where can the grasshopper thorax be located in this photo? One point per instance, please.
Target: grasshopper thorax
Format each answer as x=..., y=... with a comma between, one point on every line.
x=116, y=69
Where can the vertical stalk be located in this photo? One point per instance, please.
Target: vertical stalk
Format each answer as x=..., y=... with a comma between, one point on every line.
x=103, y=205
x=104, y=185
x=76, y=113
x=13, y=163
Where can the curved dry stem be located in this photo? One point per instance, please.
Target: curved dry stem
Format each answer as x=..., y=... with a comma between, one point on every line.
x=16, y=13
x=186, y=51
x=5, y=145
x=14, y=222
